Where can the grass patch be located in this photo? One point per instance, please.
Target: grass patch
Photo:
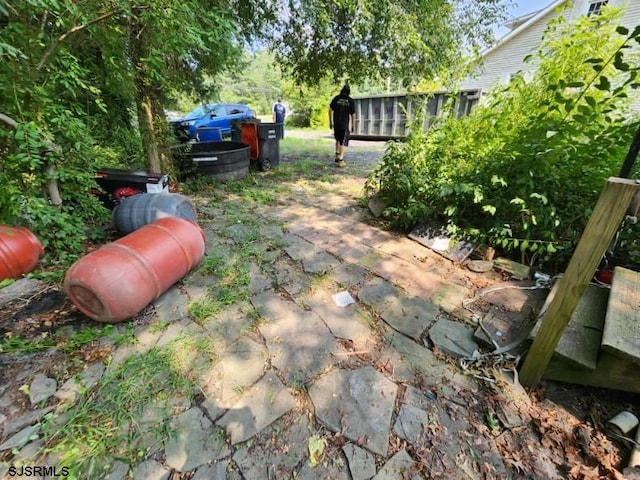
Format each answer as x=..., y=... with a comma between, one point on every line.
x=303, y=168
x=104, y=424
x=60, y=339
x=200, y=310
x=307, y=146
x=223, y=292
x=198, y=184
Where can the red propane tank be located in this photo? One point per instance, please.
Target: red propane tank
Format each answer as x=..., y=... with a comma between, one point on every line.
x=119, y=279
x=20, y=251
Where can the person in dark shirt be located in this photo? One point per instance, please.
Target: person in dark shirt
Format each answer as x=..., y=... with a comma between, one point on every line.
x=342, y=109
x=279, y=113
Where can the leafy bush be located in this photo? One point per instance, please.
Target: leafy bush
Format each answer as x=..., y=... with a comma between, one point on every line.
x=523, y=170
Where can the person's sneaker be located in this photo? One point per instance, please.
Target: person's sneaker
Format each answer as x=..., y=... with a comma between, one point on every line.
x=337, y=158
x=342, y=163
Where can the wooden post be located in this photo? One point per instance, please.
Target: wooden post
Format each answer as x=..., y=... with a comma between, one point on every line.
x=601, y=228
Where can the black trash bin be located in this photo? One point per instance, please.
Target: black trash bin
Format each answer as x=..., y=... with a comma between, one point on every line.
x=269, y=135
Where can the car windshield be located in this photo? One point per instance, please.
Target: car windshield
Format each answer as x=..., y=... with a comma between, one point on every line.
x=201, y=110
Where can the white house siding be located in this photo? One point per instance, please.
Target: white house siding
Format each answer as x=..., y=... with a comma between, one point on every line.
x=505, y=59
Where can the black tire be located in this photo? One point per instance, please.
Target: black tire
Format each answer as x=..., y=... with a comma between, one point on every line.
x=265, y=164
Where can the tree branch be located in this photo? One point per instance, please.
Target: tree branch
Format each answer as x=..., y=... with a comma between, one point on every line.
x=73, y=30
x=8, y=120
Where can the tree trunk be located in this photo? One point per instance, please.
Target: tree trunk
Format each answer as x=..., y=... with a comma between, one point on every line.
x=163, y=133
x=147, y=132
x=144, y=107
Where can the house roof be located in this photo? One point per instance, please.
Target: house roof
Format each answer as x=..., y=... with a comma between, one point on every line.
x=525, y=22
x=515, y=22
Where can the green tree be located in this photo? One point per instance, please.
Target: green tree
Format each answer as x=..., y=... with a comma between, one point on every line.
x=382, y=39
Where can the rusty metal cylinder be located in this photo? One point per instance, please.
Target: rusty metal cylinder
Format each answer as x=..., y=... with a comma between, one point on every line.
x=20, y=251
x=120, y=279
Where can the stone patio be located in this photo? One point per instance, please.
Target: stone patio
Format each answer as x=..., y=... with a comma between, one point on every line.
x=362, y=375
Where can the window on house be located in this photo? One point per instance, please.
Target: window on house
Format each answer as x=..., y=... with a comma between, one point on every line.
x=595, y=7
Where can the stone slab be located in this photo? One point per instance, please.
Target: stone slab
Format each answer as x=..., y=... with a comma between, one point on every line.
x=194, y=441
x=349, y=275
x=272, y=306
x=18, y=422
x=409, y=362
x=334, y=468
x=368, y=235
x=21, y=438
x=450, y=297
x=259, y=281
x=319, y=262
x=453, y=338
x=21, y=288
x=357, y=403
x=515, y=269
x=290, y=276
x=177, y=330
x=411, y=423
x=150, y=470
x=377, y=293
x=397, y=467
x=172, y=305
x=410, y=315
x=41, y=388
x=277, y=451
x=242, y=364
x=217, y=471
x=409, y=250
x=265, y=402
x=362, y=464
x=231, y=323
x=344, y=322
x=300, y=345
x=118, y=471
x=89, y=377
x=298, y=248
x=349, y=248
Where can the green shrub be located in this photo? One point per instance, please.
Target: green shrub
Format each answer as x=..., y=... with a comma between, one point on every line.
x=523, y=170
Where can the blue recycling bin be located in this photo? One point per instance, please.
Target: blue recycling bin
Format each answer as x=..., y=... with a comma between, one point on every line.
x=208, y=134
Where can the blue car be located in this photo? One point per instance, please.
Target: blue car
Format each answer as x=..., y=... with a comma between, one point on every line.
x=212, y=115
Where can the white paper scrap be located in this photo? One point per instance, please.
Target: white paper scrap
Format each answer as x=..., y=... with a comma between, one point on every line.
x=441, y=244
x=343, y=299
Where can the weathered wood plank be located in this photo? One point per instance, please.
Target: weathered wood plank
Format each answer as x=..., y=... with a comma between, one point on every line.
x=580, y=341
x=515, y=269
x=612, y=372
x=621, y=335
x=602, y=226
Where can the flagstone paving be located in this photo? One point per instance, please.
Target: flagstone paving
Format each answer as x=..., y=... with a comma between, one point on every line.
x=291, y=369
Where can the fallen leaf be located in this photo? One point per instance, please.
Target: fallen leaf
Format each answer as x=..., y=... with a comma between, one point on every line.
x=316, y=450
